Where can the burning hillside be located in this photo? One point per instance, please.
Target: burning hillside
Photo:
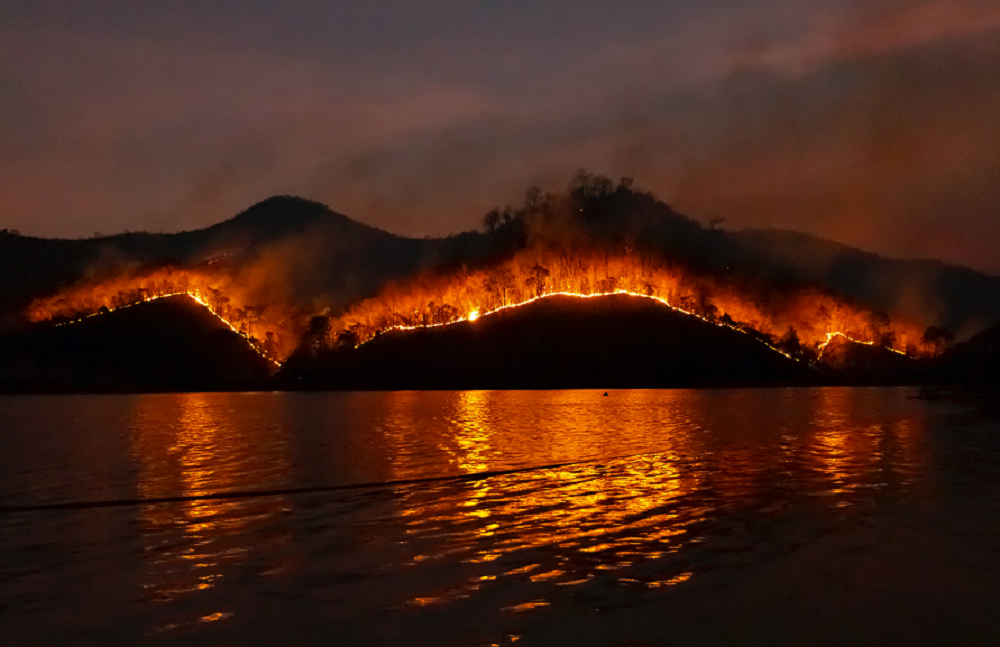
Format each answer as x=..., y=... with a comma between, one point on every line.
x=270, y=329
x=168, y=344
x=797, y=321
x=595, y=239
x=556, y=342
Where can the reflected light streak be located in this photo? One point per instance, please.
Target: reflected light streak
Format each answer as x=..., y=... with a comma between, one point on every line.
x=624, y=517
x=192, y=445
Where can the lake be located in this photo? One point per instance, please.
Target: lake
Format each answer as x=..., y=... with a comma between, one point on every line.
x=686, y=517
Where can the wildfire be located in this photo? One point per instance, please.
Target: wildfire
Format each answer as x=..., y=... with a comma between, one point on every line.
x=831, y=336
x=261, y=351
x=799, y=322
x=595, y=239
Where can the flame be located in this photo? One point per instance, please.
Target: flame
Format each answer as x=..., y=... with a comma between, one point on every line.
x=437, y=299
x=831, y=336
x=431, y=301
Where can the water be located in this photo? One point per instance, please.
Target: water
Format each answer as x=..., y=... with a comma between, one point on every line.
x=773, y=516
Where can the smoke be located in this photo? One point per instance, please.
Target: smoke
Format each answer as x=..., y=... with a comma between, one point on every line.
x=871, y=122
x=872, y=125
x=878, y=156
x=211, y=192
x=313, y=269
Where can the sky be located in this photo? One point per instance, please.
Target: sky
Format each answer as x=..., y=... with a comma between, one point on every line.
x=875, y=123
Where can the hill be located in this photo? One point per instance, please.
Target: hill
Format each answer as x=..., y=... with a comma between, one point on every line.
x=318, y=256
x=964, y=300
x=170, y=344
x=318, y=252
x=558, y=342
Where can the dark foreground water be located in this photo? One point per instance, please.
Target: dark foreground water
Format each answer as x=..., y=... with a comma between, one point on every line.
x=775, y=516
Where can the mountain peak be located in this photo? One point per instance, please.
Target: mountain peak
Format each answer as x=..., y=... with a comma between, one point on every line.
x=284, y=210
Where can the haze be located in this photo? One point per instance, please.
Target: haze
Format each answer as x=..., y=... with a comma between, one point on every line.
x=870, y=122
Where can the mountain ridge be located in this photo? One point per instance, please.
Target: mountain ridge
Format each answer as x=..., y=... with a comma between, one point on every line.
x=330, y=253
x=963, y=299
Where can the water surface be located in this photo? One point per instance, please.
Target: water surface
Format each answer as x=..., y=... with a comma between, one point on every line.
x=802, y=516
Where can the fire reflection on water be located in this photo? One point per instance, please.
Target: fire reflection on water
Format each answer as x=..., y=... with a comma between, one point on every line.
x=620, y=517
x=652, y=489
x=856, y=451
x=193, y=445
x=657, y=493
x=473, y=432
x=585, y=517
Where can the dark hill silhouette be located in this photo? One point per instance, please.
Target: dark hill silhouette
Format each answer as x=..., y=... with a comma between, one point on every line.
x=976, y=362
x=170, y=344
x=559, y=342
x=931, y=292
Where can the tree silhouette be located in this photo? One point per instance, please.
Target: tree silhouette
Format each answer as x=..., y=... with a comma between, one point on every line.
x=492, y=220
x=533, y=198
x=536, y=281
x=790, y=343
x=937, y=337
x=586, y=186
x=704, y=305
x=878, y=321
x=317, y=334
x=498, y=283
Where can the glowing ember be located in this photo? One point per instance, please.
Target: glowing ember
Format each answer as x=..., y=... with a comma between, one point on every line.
x=830, y=337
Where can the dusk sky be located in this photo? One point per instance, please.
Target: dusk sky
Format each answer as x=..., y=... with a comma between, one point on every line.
x=872, y=122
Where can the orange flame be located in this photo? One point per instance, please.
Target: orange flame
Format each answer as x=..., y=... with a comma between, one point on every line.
x=431, y=300
x=85, y=301
x=816, y=315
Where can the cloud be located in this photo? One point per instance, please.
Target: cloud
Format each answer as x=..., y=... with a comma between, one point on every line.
x=872, y=122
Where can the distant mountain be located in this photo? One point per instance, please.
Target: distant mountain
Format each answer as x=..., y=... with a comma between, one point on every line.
x=556, y=343
x=171, y=344
x=325, y=257
x=964, y=300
